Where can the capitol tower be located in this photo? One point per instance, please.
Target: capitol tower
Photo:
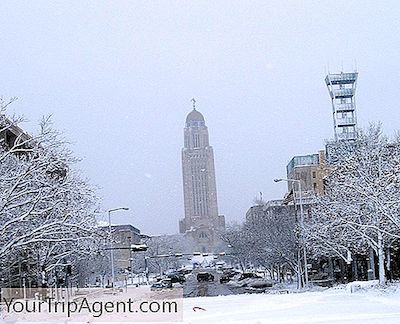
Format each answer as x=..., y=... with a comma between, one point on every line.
x=202, y=222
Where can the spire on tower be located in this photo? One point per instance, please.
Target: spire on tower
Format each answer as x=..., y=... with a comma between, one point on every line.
x=194, y=103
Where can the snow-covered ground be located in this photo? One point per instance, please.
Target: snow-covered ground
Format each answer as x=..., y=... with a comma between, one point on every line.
x=363, y=305
x=359, y=302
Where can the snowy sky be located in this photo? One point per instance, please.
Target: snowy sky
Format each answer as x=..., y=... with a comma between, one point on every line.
x=118, y=77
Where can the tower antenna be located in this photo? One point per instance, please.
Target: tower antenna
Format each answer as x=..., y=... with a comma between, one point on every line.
x=194, y=103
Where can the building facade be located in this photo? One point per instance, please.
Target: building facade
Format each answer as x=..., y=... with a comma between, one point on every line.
x=96, y=269
x=123, y=237
x=201, y=222
x=310, y=170
x=275, y=209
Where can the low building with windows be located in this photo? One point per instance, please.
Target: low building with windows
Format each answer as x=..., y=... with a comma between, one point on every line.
x=272, y=208
x=310, y=170
x=123, y=237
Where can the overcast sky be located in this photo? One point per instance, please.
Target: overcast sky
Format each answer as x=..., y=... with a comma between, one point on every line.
x=118, y=77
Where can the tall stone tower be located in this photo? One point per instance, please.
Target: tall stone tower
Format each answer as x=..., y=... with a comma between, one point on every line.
x=202, y=222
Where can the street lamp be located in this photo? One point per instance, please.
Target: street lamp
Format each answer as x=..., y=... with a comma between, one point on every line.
x=301, y=221
x=146, y=268
x=111, y=245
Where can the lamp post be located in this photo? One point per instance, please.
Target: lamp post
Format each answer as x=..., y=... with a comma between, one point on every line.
x=146, y=268
x=301, y=223
x=111, y=245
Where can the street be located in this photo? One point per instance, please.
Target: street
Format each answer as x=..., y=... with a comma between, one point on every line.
x=193, y=288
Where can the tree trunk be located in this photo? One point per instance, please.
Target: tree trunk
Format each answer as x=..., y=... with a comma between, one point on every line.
x=388, y=265
x=270, y=273
x=381, y=257
x=278, y=273
x=299, y=276
x=330, y=268
x=355, y=268
x=372, y=263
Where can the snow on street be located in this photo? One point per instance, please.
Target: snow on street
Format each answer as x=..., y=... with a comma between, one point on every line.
x=331, y=306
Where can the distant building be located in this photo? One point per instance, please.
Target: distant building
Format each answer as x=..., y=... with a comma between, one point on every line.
x=272, y=208
x=123, y=237
x=254, y=214
x=96, y=269
x=201, y=220
x=10, y=133
x=310, y=170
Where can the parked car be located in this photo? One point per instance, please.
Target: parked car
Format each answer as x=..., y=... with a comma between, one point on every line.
x=219, y=265
x=228, y=274
x=259, y=284
x=163, y=284
x=176, y=277
x=224, y=278
x=249, y=275
x=205, y=276
x=184, y=271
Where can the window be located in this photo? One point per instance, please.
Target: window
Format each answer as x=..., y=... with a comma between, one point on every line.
x=315, y=186
x=314, y=174
x=203, y=235
x=196, y=140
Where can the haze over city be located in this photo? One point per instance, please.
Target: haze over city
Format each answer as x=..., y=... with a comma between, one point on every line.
x=118, y=78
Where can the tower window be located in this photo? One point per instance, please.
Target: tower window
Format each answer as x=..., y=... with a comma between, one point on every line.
x=196, y=140
x=203, y=235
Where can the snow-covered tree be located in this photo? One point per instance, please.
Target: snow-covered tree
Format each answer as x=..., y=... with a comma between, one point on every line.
x=277, y=234
x=269, y=240
x=46, y=207
x=361, y=207
x=242, y=244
